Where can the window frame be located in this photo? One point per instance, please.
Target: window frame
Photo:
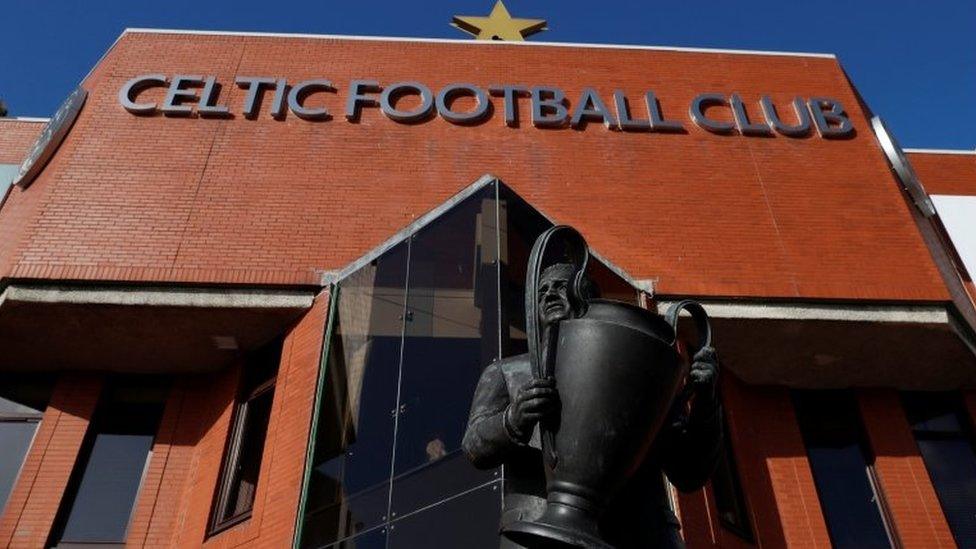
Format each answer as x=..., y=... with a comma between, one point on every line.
x=230, y=463
x=744, y=530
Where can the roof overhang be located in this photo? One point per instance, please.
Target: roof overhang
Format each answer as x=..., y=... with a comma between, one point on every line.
x=139, y=329
x=803, y=345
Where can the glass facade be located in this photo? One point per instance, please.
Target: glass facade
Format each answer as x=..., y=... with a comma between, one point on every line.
x=944, y=437
x=103, y=487
x=410, y=334
x=22, y=403
x=842, y=468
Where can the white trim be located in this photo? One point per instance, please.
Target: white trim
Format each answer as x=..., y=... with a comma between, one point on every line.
x=915, y=314
x=24, y=119
x=487, y=43
x=941, y=151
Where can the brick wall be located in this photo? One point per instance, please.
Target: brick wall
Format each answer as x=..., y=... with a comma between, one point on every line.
x=174, y=504
x=16, y=139
x=911, y=498
x=263, y=201
x=33, y=504
x=945, y=173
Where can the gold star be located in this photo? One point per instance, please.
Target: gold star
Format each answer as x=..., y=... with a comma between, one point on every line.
x=499, y=25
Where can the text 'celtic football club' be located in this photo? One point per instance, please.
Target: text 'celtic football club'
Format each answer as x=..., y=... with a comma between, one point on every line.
x=549, y=106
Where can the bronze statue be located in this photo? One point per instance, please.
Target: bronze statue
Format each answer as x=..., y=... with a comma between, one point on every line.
x=627, y=496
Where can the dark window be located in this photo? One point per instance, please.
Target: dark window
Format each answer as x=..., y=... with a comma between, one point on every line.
x=842, y=468
x=730, y=500
x=944, y=437
x=104, y=484
x=245, y=446
x=22, y=403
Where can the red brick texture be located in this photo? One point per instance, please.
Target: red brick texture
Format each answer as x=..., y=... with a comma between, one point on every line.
x=773, y=467
x=912, y=500
x=174, y=504
x=946, y=173
x=16, y=139
x=264, y=201
x=30, y=511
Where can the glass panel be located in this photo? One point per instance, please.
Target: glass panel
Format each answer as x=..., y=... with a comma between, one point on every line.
x=15, y=439
x=24, y=396
x=375, y=539
x=943, y=435
x=23, y=399
x=451, y=334
x=932, y=412
x=7, y=174
x=952, y=467
x=348, y=488
x=729, y=497
x=469, y=521
x=830, y=424
x=521, y=225
x=118, y=446
x=245, y=481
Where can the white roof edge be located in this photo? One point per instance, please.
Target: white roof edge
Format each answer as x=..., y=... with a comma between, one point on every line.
x=942, y=151
x=24, y=119
x=478, y=42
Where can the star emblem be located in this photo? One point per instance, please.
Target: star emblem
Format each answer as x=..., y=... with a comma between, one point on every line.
x=499, y=25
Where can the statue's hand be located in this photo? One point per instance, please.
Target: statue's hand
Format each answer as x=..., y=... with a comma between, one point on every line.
x=704, y=373
x=536, y=401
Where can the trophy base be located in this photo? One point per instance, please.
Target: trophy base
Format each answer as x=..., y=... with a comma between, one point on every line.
x=560, y=526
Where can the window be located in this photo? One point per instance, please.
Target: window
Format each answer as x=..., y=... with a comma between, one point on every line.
x=843, y=469
x=22, y=403
x=245, y=446
x=943, y=434
x=411, y=332
x=105, y=482
x=730, y=500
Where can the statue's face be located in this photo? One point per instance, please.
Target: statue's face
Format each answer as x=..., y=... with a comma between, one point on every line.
x=554, y=299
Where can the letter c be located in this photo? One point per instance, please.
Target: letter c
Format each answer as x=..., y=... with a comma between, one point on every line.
x=132, y=88
x=697, y=112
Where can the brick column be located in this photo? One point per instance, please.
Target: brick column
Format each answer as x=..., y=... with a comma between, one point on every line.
x=34, y=502
x=773, y=467
x=911, y=498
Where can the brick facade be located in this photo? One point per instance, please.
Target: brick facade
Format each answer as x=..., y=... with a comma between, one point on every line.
x=264, y=202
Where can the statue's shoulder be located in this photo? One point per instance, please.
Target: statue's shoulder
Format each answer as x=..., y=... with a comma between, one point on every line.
x=517, y=371
x=517, y=363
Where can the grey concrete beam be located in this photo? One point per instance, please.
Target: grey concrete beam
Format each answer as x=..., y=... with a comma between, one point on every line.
x=159, y=296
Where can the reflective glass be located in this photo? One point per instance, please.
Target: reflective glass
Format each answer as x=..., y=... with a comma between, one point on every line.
x=942, y=433
x=23, y=399
x=105, y=483
x=469, y=521
x=451, y=334
x=15, y=440
x=7, y=174
x=348, y=489
x=830, y=424
x=374, y=539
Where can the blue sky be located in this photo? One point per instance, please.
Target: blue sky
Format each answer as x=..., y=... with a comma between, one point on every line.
x=914, y=62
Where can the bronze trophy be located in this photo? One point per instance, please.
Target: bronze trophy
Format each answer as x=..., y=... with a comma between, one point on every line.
x=618, y=374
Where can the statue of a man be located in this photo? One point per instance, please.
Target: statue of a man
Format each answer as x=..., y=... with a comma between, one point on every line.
x=509, y=402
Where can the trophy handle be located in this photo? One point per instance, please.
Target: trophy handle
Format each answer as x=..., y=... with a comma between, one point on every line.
x=543, y=363
x=700, y=317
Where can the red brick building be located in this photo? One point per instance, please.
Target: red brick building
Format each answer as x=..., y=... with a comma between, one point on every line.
x=236, y=298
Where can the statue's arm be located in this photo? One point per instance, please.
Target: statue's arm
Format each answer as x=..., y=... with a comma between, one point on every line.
x=694, y=447
x=487, y=440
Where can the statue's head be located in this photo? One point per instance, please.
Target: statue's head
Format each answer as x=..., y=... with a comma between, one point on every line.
x=554, y=295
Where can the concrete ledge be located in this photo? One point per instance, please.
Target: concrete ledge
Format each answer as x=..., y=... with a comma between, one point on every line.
x=916, y=314
x=160, y=297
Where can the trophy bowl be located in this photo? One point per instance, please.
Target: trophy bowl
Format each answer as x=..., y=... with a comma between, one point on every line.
x=617, y=374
